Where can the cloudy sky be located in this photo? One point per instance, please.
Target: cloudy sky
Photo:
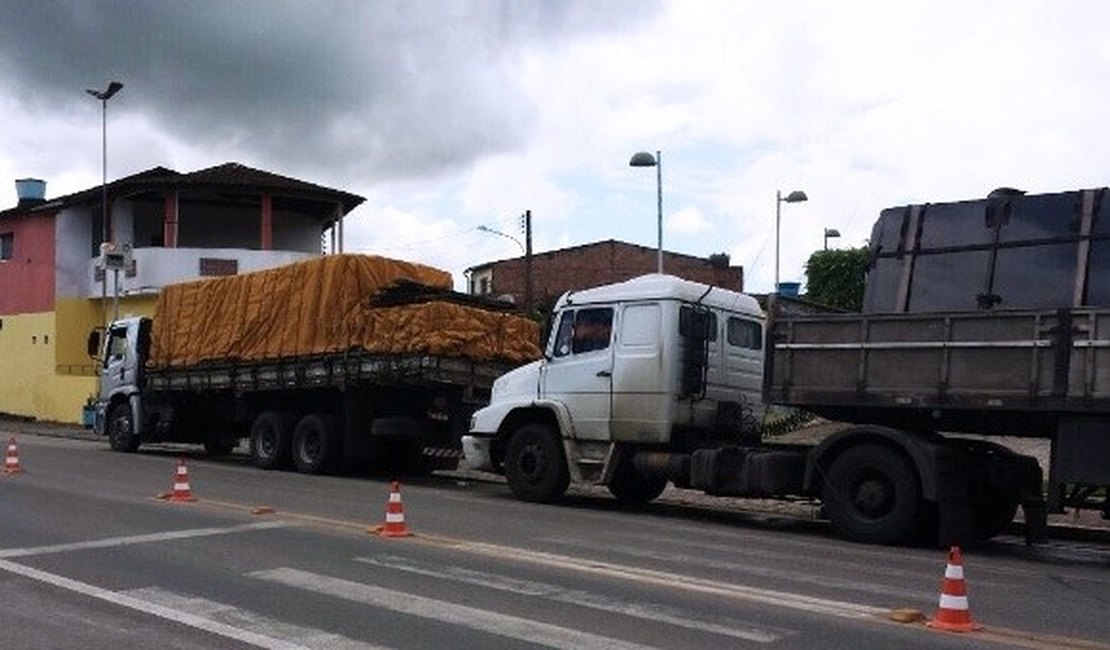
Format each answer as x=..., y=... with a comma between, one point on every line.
x=448, y=115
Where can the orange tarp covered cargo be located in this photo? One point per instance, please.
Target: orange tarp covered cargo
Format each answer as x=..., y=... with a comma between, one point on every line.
x=323, y=305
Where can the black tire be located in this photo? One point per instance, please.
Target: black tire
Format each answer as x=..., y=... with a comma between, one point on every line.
x=271, y=436
x=997, y=478
x=316, y=444
x=121, y=429
x=872, y=495
x=992, y=517
x=535, y=466
x=632, y=488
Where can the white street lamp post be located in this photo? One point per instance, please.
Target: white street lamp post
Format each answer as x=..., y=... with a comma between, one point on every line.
x=645, y=159
x=104, y=95
x=797, y=196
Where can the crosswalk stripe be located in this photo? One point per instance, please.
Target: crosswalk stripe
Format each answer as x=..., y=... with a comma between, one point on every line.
x=112, y=542
x=677, y=581
x=247, y=620
x=513, y=627
x=167, y=613
x=647, y=611
x=862, y=585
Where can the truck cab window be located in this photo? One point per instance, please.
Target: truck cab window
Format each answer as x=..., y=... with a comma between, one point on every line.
x=592, y=329
x=745, y=334
x=584, y=330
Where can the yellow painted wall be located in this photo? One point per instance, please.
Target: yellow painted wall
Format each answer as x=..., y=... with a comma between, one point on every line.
x=46, y=372
x=27, y=344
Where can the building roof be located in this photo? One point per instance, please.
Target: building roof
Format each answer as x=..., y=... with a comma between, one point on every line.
x=582, y=247
x=228, y=177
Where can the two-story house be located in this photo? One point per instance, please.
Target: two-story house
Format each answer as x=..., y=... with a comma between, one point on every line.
x=179, y=226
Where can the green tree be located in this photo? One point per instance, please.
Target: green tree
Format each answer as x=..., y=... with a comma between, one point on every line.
x=835, y=278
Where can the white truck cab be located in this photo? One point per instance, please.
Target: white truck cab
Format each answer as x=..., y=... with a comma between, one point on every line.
x=655, y=363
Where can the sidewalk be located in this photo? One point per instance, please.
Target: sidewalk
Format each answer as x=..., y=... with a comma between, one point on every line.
x=14, y=426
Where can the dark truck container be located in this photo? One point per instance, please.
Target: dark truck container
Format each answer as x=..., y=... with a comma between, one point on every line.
x=988, y=317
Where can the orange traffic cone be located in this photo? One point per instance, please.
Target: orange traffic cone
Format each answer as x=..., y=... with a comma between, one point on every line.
x=11, y=461
x=394, y=514
x=954, y=614
x=181, y=491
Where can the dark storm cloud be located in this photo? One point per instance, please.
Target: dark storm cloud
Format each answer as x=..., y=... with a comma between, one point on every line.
x=381, y=88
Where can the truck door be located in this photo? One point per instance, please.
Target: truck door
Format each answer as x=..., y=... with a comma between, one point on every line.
x=115, y=372
x=579, y=372
x=744, y=356
x=642, y=398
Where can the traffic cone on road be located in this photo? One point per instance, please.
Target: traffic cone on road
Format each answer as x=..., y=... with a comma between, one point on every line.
x=11, y=461
x=181, y=491
x=954, y=615
x=394, y=514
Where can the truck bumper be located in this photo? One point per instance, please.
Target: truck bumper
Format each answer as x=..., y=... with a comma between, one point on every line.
x=476, y=451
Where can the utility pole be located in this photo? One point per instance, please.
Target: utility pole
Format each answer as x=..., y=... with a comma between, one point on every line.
x=528, y=259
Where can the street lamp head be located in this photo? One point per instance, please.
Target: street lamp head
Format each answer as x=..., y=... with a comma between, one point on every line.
x=113, y=88
x=797, y=196
x=832, y=233
x=642, y=159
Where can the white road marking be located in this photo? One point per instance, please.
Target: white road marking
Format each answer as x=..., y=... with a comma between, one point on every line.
x=167, y=613
x=862, y=585
x=138, y=539
x=513, y=627
x=247, y=620
x=677, y=581
x=643, y=610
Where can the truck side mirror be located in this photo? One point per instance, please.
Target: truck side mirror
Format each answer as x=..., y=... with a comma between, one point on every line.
x=92, y=345
x=695, y=324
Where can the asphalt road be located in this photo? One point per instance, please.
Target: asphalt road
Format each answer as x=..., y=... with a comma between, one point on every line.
x=90, y=559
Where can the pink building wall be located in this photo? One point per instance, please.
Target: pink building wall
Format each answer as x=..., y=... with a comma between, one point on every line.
x=27, y=279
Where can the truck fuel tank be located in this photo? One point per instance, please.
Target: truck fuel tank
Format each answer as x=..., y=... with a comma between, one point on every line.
x=741, y=471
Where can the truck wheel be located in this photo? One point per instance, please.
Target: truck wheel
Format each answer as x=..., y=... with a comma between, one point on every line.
x=633, y=488
x=992, y=517
x=270, y=439
x=872, y=495
x=535, y=466
x=315, y=444
x=121, y=428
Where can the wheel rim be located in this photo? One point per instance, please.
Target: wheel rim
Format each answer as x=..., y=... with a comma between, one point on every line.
x=310, y=447
x=267, y=443
x=121, y=428
x=873, y=495
x=532, y=463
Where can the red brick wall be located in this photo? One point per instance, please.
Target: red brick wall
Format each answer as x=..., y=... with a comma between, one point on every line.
x=27, y=279
x=556, y=272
